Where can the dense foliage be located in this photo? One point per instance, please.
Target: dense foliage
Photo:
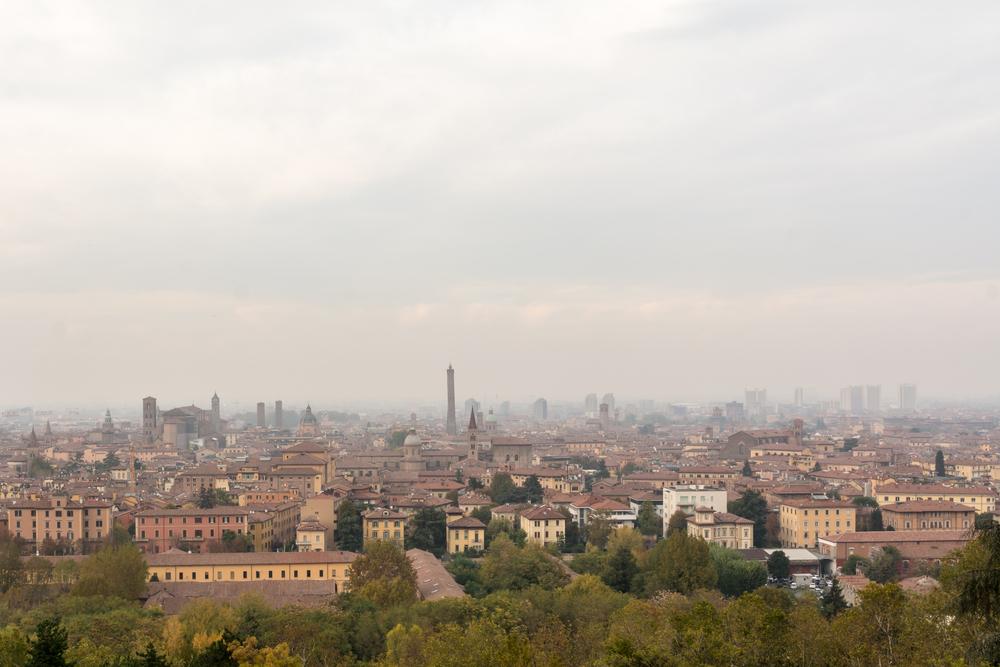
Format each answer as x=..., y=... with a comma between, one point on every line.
x=681, y=602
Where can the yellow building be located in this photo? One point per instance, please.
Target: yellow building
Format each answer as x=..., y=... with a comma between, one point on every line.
x=544, y=525
x=550, y=478
x=804, y=522
x=384, y=524
x=981, y=498
x=310, y=535
x=252, y=567
x=466, y=534
x=59, y=519
x=273, y=525
x=726, y=530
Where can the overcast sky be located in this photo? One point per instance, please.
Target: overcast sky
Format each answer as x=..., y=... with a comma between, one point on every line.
x=332, y=201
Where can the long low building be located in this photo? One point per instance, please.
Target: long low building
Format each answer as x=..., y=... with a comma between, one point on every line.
x=176, y=565
x=913, y=545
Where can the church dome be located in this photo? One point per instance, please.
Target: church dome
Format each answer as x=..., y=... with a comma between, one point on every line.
x=412, y=439
x=308, y=417
x=491, y=417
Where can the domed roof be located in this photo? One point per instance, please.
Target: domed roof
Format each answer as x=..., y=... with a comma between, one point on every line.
x=491, y=417
x=308, y=417
x=412, y=439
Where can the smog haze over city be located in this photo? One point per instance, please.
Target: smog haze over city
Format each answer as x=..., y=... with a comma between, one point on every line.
x=331, y=202
x=499, y=333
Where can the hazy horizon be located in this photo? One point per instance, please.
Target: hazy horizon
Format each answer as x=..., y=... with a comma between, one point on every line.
x=332, y=202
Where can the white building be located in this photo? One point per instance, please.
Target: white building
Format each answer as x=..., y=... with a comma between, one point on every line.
x=688, y=497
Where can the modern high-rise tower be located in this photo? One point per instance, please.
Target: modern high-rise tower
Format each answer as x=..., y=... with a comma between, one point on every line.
x=279, y=415
x=873, y=398
x=452, y=426
x=149, y=428
x=908, y=397
x=800, y=397
x=261, y=415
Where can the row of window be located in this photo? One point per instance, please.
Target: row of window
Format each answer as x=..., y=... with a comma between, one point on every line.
x=167, y=576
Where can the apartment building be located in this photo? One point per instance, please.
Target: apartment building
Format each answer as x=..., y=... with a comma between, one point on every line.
x=59, y=519
x=803, y=522
x=544, y=525
x=466, y=534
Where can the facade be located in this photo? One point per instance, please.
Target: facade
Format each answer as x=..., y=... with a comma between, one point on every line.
x=726, y=530
x=914, y=545
x=250, y=567
x=510, y=453
x=981, y=498
x=59, y=519
x=711, y=475
x=689, y=496
x=618, y=514
x=384, y=524
x=310, y=535
x=928, y=515
x=739, y=444
x=159, y=530
x=804, y=522
x=465, y=535
x=544, y=525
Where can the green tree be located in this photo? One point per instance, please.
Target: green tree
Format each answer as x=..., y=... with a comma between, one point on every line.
x=592, y=561
x=499, y=526
x=678, y=523
x=503, y=490
x=427, y=531
x=113, y=571
x=876, y=523
x=150, y=658
x=778, y=565
x=11, y=567
x=865, y=501
x=680, y=563
x=348, y=534
x=747, y=470
x=751, y=505
x=984, y=520
x=384, y=575
x=48, y=647
x=735, y=574
x=466, y=574
x=507, y=567
x=396, y=439
x=14, y=647
x=598, y=529
x=832, y=602
x=533, y=489
x=884, y=566
x=620, y=569
x=939, y=464
x=854, y=563
x=206, y=498
x=649, y=521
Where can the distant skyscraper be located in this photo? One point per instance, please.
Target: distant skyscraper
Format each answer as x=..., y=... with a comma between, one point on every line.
x=472, y=405
x=873, y=397
x=261, y=415
x=735, y=413
x=756, y=403
x=279, y=415
x=452, y=426
x=908, y=397
x=541, y=410
x=852, y=399
x=590, y=404
x=610, y=400
x=149, y=427
x=505, y=409
x=800, y=397
x=216, y=414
